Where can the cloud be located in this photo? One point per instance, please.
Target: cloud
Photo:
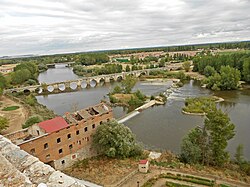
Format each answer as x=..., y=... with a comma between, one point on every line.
x=46, y=27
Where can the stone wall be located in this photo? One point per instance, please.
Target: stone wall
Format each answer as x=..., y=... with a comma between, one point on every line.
x=20, y=169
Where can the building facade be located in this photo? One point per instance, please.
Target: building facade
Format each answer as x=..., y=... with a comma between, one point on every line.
x=59, y=142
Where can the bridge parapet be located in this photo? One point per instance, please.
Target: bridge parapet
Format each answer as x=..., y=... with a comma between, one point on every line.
x=85, y=81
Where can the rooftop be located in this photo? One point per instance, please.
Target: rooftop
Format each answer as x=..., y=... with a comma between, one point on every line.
x=87, y=113
x=53, y=125
x=143, y=161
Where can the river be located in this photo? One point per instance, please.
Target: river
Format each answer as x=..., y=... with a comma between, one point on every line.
x=159, y=127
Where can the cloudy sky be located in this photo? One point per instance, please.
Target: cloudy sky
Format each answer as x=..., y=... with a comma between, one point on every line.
x=57, y=26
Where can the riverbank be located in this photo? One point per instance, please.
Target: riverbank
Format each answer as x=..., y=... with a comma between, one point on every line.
x=32, y=106
x=16, y=117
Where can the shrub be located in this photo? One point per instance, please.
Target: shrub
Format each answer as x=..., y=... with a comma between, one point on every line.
x=31, y=121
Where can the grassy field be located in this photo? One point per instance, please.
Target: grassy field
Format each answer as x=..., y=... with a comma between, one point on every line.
x=10, y=108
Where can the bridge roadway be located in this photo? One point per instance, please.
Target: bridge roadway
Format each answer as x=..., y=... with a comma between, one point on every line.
x=71, y=85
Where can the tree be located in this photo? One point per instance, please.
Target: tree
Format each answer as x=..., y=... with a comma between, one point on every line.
x=31, y=121
x=229, y=78
x=208, y=144
x=116, y=140
x=220, y=131
x=239, y=158
x=246, y=70
x=186, y=65
x=3, y=81
x=117, y=89
x=4, y=122
x=127, y=68
x=209, y=71
x=128, y=83
x=191, y=146
x=19, y=76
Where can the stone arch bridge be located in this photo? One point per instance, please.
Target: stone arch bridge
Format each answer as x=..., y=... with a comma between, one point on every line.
x=72, y=85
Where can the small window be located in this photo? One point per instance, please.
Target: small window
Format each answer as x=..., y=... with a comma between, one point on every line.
x=108, y=120
x=76, y=124
x=48, y=156
x=63, y=162
x=101, y=122
x=87, y=139
x=58, y=140
x=79, y=142
x=46, y=146
x=93, y=126
x=60, y=151
x=68, y=127
x=33, y=151
x=77, y=132
x=85, y=129
x=69, y=136
x=73, y=157
x=70, y=146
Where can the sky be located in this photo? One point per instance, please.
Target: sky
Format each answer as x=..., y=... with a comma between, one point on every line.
x=60, y=26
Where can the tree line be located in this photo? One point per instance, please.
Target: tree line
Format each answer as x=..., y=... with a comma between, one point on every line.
x=223, y=72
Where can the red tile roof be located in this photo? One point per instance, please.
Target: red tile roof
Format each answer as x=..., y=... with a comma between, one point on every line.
x=53, y=125
x=143, y=162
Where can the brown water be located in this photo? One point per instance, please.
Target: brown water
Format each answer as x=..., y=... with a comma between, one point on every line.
x=159, y=127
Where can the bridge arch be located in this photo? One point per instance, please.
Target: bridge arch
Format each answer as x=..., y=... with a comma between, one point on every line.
x=50, y=88
x=84, y=84
x=93, y=83
x=119, y=78
x=73, y=85
x=61, y=87
x=26, y=91
x=102, y=81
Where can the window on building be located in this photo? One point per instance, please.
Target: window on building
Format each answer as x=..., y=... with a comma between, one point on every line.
x=93, y=126
x=70, y=146
x=76, y=124
x=79, y=142
x=69, y=136
x=48, y=156
x=38, y=133
x=58, y=140
x=108, y=120
x=46, y=146
x=85, y=129
x=73, y=157
x=101, y=122
x=77, y=132
x=60, y=151
x=63, y=162
x=87, y=139
x=32, y=151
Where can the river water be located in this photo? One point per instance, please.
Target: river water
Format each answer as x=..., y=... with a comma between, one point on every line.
x=159, y=127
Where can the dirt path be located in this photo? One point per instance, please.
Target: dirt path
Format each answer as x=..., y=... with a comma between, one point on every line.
x=16, y=117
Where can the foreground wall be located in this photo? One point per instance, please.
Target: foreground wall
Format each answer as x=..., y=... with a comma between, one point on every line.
x=20, y=169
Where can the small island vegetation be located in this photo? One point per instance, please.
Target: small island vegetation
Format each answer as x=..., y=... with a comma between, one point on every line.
x=199, y=105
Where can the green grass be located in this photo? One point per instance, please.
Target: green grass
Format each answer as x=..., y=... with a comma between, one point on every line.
x=172, y=184
x=198, y=104
x=224, y=185
x=191, y=179
x=10, y=108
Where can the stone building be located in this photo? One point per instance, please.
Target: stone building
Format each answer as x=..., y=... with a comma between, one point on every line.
x=59, y=142
x=143, y=166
